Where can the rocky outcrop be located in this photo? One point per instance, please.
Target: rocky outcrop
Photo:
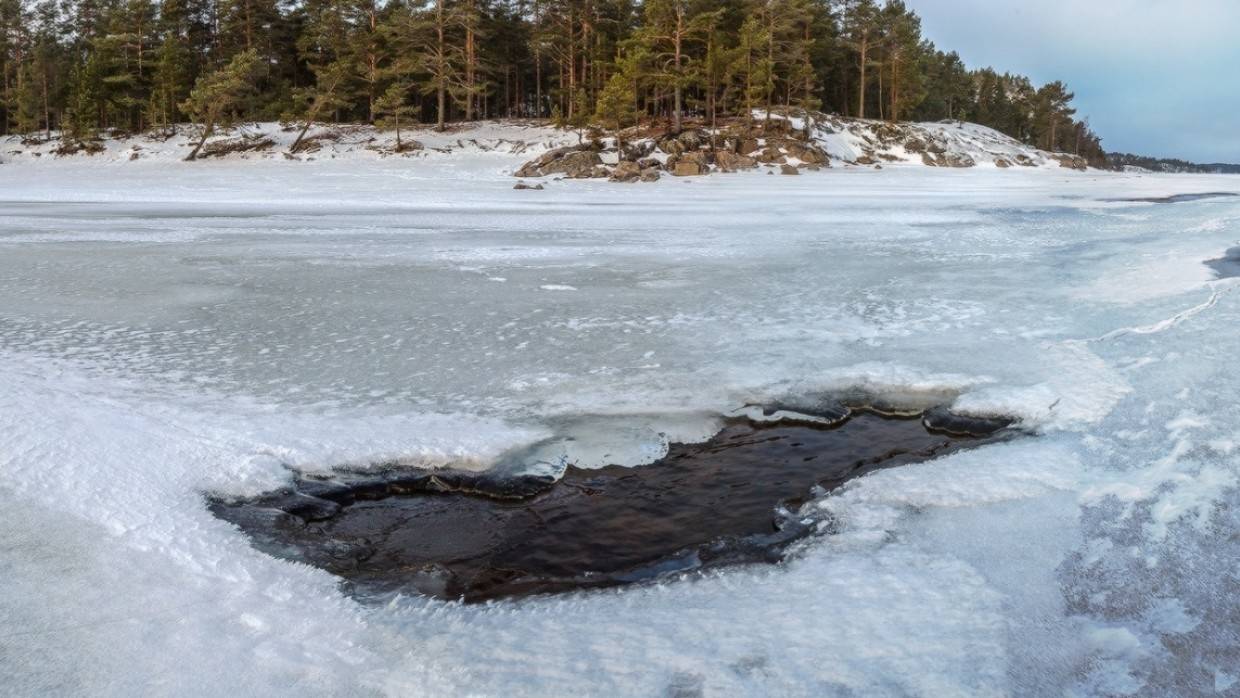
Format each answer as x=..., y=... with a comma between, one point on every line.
x=691, y=153
x=779, y=141
x=575, y=162
x=688, y=168
x=734, y=162
x=626, y=171
x=1072, y=162
x=947, y=160
x=771, y=155
x=807, y=154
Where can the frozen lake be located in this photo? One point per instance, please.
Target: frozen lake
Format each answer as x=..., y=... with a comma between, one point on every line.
x=172, y=330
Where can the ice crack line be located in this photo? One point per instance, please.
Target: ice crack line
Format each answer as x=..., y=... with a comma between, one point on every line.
x=1173, y=321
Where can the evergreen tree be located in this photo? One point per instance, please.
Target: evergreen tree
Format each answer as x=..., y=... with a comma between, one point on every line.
x=392, y=108
x=861, y=27
x=215, y=96
x=615, y=109
x=668, y=28
x=85, y=65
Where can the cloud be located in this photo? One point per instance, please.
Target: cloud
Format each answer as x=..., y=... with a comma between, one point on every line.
x=1156, y=77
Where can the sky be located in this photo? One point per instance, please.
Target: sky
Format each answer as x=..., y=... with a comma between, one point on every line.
x=1155, y=77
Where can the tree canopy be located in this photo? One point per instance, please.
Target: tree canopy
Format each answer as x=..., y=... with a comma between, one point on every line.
x=80, y=66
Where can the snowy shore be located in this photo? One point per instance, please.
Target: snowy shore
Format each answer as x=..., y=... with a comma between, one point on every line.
x=172, y=329
x=846, y=142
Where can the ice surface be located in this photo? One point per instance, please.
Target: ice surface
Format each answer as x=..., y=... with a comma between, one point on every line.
x=173, y=329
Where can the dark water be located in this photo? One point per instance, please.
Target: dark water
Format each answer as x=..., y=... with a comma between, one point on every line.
x=464, y=536
x=1228, y=266
x=1177, y=198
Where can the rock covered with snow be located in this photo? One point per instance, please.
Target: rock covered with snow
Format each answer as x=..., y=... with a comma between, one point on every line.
x=781, y=142
x=935, y=144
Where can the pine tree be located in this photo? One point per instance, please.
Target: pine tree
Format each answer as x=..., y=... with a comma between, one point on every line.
x=217, y=94
x=904, y=51
x=392, y=108
x=861, y=26
x=85, y=100
x=615, y=108
x=325, y=96
x=1053, y=115
x=669, y=28
x=750, y=73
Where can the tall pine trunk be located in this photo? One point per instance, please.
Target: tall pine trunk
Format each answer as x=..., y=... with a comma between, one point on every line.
x=865, y=57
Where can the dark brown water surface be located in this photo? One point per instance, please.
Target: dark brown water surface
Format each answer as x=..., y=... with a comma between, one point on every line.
x=1227, y=266
x=464, y=536
x=1177, y=198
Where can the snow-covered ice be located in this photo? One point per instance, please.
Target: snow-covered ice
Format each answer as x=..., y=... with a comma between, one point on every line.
x=172, y=329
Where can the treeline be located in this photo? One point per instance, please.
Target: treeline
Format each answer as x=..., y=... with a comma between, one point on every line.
x=81, y=66
x=1120, y=160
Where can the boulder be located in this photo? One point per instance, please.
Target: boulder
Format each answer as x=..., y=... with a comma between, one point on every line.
x=636, y=151
x=626, y=171
x=690, y=140
x=807, y=154
x=772, y=156
x=749, y=147
x=571, y=161
x=523, y=185
x=915, y=145
x=1072, y=162
x=580, y=164
x=688, y=168
x=700, y=157
x=671, y=146
x=650, y=174
x=789, y=170
x=731, y=162
x=1001, y=163
x=948, y=160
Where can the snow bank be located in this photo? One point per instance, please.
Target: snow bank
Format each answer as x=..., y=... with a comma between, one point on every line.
x=509, y=143
x=493, y=140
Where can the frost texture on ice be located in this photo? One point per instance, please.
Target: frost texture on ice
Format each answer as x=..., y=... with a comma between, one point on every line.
x=169, y=330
